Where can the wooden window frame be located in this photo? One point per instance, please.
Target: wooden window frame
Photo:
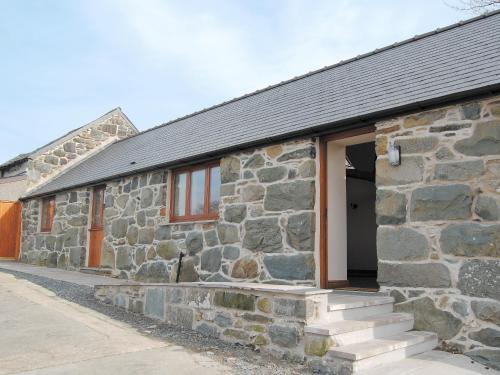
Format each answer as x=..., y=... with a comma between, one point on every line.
x=47, y=214
x=189, y=171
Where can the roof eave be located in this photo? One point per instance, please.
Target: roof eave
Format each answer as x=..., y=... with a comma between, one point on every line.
x=339, y=126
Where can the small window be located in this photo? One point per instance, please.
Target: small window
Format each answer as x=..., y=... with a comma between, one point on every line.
x=48, y=210
x=195, y=193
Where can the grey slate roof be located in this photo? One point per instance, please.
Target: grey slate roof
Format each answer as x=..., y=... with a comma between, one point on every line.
x=17, y=159
x=460, y=60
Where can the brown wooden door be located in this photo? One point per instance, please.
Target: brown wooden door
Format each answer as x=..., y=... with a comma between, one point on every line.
x=10, y=229
x=96, y=226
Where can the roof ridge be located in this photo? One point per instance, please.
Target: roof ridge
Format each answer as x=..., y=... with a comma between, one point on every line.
x=320, y=70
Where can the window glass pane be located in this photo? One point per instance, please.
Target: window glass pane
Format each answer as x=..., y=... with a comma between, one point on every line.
x=197, y=192
x=97, y=210
x=214, y=189
x=45, y=204
x=180, y=194
x=48, y=209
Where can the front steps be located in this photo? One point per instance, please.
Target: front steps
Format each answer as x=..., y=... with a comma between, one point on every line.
x=361, y=331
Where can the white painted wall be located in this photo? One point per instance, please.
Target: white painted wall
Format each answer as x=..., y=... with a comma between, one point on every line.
x=337, y=216
x=11, y=188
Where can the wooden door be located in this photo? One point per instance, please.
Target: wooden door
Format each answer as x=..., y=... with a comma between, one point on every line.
x=96, y=226
x=10, y=229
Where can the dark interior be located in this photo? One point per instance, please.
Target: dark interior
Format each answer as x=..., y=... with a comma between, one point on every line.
x=361, y=219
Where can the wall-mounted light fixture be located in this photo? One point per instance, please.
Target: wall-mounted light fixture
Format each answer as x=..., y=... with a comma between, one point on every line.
x=394, y=153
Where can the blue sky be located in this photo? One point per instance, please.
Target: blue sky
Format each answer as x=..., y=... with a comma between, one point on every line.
x=65, y=63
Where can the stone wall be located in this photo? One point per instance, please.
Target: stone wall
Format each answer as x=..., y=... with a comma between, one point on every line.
x=265, y=231
x=45, y=164
x=271, y=319
x=438, y=213
x=66, y=245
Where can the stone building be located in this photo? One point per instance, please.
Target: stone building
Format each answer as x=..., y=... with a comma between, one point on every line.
x=27, y=171
x=380, y=173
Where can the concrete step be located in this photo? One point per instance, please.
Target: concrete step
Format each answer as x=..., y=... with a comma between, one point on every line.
x=97, y=271
x=346, y=306
x=376, y=352
x=349, y=332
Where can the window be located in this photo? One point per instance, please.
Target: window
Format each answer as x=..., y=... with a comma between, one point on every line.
x=48, y=209
x=98, y=207
x=195, y=193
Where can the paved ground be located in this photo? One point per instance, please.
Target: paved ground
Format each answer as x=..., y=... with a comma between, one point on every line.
x=61, y=275
x=42, y=332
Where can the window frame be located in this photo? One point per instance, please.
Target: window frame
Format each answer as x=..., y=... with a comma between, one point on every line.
x=207, y=215
x=47, y=214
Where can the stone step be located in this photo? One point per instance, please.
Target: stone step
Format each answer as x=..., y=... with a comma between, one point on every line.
x=97, y=271
x=349, y=332
x=376, y=352
x=345, y=306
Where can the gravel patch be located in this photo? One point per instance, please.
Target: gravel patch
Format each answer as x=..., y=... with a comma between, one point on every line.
x=242, y=359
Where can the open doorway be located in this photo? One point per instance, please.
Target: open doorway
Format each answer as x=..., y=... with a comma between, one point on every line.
x=361, y=219
x=350, y=228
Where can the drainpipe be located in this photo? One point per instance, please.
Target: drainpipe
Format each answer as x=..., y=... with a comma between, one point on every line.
x=179, y=266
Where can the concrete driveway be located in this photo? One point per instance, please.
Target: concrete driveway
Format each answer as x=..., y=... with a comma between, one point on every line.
x=43, y=334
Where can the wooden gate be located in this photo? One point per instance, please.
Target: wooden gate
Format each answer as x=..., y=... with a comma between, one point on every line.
x=10, y=229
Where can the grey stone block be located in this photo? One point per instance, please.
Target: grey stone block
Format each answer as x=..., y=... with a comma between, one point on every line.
x=429, y=318
x=484, y=141
x=296, y=195
x=300, y=231
x=487, y=336
x=194, y=242
x=417, y=145
x=228, y=233
x=390, y=207
x=441, y=202
x=231, y=252
x=211, y=259
x=290, y=267
x=146, y=235
x=168, y=249
x=284, y=336
x=487, y=207
x=119, y=228
x=424, y=275
x=235, y=213
x=410, y=171
x=254, y=161
x=271, y=174
x=252, y=193
x=154, y=306
x=487, y=310
x=401, y=244
x=211, y=238
x=479, y=278
x=263, y=235
x=309, y=152
x=459, y=171
x=471, y=240
x=229, y=169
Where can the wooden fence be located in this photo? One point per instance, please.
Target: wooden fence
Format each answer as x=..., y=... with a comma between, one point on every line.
x=10, y=229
